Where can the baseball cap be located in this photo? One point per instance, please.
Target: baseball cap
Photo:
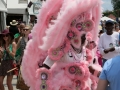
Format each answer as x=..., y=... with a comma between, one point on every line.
x=109, y=22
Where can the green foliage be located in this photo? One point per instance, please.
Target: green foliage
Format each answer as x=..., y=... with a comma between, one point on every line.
x=107, y=13
x=116, y=4
x=116, y=7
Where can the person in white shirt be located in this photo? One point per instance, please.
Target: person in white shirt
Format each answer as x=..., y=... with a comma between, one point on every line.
x=109, y=42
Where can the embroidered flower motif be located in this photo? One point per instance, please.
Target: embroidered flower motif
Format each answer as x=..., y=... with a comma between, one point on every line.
x=44, y=76
x=79, y=26
x=88, y=25
x=71, y=34
x=79, y=84
x=43, y=86
x=55, y=54
x=74, y=70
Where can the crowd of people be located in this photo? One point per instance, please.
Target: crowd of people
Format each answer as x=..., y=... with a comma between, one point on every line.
x=108, y=37
x=12, y=44
x=13, y=41
x=61, y=59
x=109, y=47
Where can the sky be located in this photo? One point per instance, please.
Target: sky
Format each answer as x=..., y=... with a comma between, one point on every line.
x=107, y=5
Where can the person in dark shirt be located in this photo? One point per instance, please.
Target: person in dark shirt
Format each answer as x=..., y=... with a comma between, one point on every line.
x=13, y=27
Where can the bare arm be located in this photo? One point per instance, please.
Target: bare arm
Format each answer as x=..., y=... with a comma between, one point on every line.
x=13, y=49
x=102, y=84
x=18, y=44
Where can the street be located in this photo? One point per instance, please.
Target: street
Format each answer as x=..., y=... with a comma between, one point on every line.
x=13, y=83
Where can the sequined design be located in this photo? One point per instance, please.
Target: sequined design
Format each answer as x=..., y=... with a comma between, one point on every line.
x=88, y=25
x=79, y=84
x=57, y=53
x=75, y=70
x=43, y=86
x=72, y=70
x=79, y=26
x=71, y=34
x=44, y=76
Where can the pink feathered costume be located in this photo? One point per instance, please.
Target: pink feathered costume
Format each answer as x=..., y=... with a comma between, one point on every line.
x=61, y=28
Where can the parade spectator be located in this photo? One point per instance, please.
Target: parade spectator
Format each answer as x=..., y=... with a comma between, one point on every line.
x=100, y=33
x=21, y=45
x=17, y=37
x=110, y=75
x=30, y=35
x=24, y=39
x=117, y=27
x=13, y=27
x=109, y=42
x=103, y=26
x=8, y=49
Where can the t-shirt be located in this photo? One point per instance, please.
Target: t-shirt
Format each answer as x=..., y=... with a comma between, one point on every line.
x=111, y=73
x=108, y=41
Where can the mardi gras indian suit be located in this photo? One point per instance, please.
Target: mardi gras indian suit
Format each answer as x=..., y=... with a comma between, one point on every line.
x=60, y=52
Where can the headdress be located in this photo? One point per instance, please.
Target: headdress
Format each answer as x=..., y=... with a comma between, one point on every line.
x=58, y=23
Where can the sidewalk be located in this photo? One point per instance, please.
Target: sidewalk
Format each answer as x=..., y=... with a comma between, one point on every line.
x=13, y=83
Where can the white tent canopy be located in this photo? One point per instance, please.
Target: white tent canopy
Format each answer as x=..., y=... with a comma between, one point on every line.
x=106, y=19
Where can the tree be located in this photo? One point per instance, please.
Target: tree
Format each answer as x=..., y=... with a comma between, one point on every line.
x=116, y=6
x=107, y=13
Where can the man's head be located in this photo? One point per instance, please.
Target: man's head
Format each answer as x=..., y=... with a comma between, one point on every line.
x=117, y=26
x=109, y=26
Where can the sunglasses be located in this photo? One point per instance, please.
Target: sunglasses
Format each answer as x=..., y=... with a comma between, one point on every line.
x=25, y=29
x=6, y=35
